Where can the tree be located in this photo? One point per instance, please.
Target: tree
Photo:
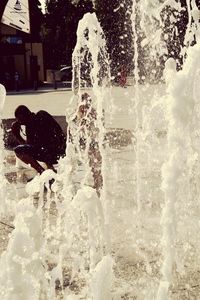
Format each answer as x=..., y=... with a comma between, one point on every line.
x=59, y=30
x=61, y=21
x=115, y=19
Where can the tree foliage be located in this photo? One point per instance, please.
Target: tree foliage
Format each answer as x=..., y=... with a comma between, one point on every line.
x=59, y=30
x=115, y=19
x=61, y=21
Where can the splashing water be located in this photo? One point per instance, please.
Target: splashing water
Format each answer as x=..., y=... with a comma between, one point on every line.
x=2, y=179
x=82, y=240
x=95, y=70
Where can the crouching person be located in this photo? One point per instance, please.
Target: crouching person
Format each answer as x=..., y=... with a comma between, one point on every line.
x=42, y=141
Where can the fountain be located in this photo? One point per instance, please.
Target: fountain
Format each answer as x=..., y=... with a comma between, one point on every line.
x=3, y=183
x=134, y=233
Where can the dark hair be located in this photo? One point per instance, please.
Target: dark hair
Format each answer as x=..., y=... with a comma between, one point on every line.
x=22, y=110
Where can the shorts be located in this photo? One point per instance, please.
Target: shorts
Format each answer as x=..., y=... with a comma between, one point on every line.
x=38, y=153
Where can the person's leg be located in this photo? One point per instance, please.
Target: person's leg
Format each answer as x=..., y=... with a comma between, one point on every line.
x=32, y=162
x=25, y=154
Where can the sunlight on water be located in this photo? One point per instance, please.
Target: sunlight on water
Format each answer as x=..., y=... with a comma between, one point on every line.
x=121, y=220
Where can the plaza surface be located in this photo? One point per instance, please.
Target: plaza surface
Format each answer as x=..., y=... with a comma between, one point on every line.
x=135, y=236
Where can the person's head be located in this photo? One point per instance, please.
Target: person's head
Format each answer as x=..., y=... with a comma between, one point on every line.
x=23, y=114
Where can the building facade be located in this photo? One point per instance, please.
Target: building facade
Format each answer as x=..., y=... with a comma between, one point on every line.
x=20, y=57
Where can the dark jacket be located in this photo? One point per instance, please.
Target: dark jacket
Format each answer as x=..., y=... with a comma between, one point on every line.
x=44, y=131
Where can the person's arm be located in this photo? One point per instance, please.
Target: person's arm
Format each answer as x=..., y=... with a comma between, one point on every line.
x=16, y=128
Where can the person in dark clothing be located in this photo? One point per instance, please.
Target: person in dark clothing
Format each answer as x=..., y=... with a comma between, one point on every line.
x=45, y=140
